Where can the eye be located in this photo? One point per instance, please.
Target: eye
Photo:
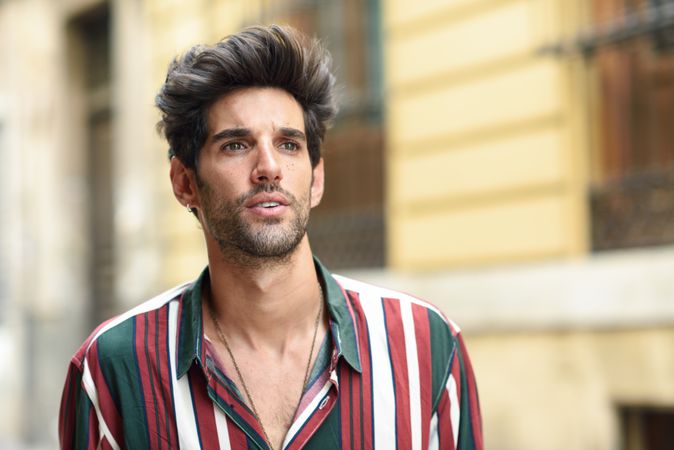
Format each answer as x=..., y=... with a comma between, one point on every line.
x=290, y=146
x=233, y=146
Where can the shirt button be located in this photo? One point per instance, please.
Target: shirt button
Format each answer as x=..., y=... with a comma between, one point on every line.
x=324, y=402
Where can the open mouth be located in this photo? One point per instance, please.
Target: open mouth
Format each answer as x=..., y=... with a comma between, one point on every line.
x=268, y=204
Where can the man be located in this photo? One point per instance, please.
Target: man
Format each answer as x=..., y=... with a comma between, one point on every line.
x=266, y=349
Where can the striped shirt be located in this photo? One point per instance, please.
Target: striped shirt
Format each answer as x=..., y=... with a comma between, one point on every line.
x=396, y=376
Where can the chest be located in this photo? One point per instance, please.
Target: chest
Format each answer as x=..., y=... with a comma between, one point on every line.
x=271, y=388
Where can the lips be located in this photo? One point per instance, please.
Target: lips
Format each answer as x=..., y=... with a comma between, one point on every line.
x=266, y=200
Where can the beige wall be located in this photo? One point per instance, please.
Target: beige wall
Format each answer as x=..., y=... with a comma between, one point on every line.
x=44, y=299
x=484, y=160
x=172, y=28
x=559, y=389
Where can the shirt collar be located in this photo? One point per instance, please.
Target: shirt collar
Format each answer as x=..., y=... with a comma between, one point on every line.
x=191, y=334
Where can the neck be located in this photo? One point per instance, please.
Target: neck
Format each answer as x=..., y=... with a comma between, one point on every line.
x=265, y=305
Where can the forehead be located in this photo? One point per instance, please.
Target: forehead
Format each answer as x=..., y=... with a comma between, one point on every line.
x=256, y=108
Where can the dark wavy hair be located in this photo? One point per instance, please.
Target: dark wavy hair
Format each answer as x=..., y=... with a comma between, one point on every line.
x=274, y=56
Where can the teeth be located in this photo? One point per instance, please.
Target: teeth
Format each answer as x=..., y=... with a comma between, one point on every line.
x=268, y=204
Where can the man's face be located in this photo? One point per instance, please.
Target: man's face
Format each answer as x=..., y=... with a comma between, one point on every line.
x=254, y=178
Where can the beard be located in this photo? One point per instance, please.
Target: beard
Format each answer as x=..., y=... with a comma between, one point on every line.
x=247, y=242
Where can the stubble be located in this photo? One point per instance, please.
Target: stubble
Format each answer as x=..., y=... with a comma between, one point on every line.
x=262, y=242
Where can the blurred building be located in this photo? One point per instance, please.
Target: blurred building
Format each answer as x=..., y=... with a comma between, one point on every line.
x=511, y=161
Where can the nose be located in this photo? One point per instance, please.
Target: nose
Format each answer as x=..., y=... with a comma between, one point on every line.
x=267, y=165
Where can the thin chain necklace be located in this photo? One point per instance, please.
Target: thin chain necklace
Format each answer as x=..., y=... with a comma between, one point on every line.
x=222, y=337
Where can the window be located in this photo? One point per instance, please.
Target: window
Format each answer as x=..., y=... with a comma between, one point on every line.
x=92, y=36
x=632, y=201
x=647, y=428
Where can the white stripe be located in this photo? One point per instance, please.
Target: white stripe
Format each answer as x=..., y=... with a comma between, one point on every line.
x=454, y=409
x=92, y=393
x=221, y=427
x=359, y=286
x=152, y=304
x=434, y=436
x=188, y=436
x=412, y=373
x=306, y=414
x=383, y=405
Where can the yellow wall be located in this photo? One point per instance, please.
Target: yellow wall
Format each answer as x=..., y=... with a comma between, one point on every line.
x=559, y=390
x=173, y=27
x=485, y=157
x=485, y=149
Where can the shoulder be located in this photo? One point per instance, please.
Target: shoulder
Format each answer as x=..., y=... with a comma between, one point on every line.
x=392, y=313
x=115, y=338
x=413, y=327
x=370, y=296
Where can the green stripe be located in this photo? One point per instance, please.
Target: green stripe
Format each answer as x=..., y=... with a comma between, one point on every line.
x=83, y=408
x=442, y=345
x=249, y=431
x=466, y=437
x=117, y=359
x=339, y=313
x=190, y=333
x=328, y=434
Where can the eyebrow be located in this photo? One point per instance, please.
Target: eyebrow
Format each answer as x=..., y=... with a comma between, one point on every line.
x=292, y=133
x=240, y=132
x=231, y=133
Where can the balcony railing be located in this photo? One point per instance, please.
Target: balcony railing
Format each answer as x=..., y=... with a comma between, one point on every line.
x=635, y=211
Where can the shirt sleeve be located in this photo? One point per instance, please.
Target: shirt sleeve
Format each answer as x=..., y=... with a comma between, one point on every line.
x=457, y=422
x=78, y=423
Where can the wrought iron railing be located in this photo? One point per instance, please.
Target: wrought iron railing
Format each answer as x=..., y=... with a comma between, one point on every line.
x=635, y=211
x=349, y=239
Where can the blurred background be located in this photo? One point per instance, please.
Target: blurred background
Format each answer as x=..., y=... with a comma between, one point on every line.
x=512, y=161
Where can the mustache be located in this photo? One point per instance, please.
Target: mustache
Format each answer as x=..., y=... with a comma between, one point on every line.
x=267, y=188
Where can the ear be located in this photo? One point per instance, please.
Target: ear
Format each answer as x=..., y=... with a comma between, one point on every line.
x=317, y=184
x=184, y=183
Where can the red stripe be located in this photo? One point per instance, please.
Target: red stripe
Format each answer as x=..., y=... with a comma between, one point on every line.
x=93, y=435
x=314, y=421
x=345, y=411
x=234, y=403
x=164, y=372
x=237, y=438
x=356, y=411
x=366, y=365
x=105, y=445
x=68, y=408
x=398, y=355
x=423, y=338
x=456, y=373
x=106, y=404
x=158, y=395
x=205, y=413
x=147, y=391
x=445, y=437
